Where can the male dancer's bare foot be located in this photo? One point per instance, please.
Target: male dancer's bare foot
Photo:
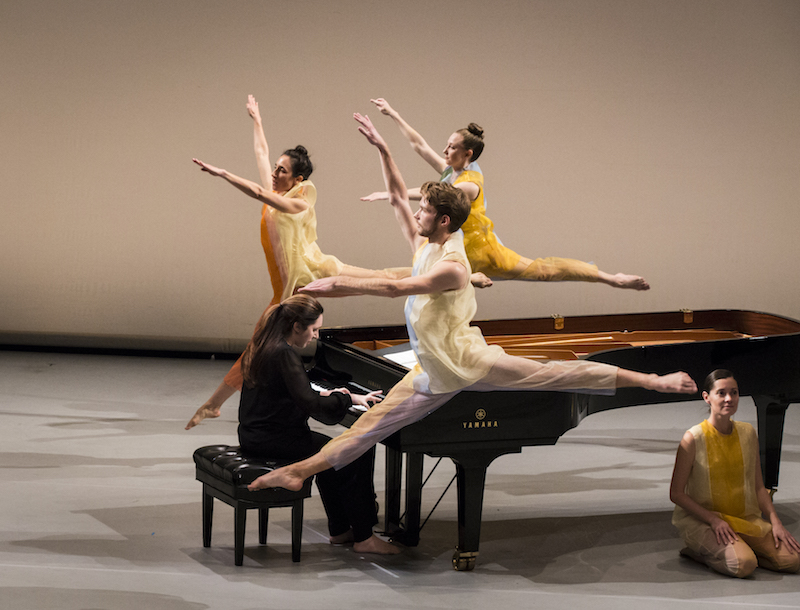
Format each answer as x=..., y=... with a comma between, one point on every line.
x=375, y=545
x=346, y=538
x=280, y=477
x=622, y=280
x=674, y=383
x=207, y=411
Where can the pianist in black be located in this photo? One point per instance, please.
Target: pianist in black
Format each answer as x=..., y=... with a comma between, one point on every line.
x=452, y=356
x=275, y=405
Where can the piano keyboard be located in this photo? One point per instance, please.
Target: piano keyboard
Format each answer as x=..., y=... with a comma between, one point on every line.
x=319, y=386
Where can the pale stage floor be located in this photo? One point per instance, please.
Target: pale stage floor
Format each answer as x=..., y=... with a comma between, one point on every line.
x=100, y=509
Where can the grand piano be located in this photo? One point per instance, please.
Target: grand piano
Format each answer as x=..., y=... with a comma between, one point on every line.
x=474, y=428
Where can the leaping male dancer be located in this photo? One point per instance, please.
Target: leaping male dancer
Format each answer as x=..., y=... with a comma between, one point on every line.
x=452, y=356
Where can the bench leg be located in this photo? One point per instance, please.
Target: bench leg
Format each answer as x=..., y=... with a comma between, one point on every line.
x=263, y=522
x=297, y=529
x=240, y=516
x=208, y=514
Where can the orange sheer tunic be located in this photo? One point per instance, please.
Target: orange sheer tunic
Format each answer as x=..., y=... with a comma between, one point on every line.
x=293, y=256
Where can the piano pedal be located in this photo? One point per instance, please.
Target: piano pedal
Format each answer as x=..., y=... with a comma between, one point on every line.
x=464, y=561
x=403, y=537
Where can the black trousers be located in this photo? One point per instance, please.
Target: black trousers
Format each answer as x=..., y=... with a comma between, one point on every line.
x=348, y=494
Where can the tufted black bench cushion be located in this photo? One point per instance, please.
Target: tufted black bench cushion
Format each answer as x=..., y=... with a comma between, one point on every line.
x=225, y=474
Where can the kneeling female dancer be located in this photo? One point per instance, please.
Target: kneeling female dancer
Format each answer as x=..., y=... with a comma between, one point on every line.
x=720, y=494
x=486, y=253
x=276, y=403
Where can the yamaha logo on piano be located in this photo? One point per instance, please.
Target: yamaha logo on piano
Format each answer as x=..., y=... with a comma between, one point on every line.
x=480, y=421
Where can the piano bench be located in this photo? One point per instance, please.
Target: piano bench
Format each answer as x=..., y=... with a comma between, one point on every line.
x=225, y=474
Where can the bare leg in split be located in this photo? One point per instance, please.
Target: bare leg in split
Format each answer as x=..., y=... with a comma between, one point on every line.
x=508, y=372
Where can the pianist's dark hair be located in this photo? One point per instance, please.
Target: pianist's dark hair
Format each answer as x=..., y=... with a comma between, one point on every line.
x=273, y=328
x=473, y=139
x=714, y=377
x=447, y=200
x=301, y=164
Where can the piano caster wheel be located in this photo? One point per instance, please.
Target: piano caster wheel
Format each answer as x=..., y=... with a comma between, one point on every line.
x=464, y=562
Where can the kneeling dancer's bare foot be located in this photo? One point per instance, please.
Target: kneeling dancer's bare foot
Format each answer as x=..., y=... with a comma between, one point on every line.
x=690, y=554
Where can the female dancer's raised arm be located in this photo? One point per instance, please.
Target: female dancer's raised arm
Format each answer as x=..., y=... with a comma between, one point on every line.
x=260, y=143
x=418, y=143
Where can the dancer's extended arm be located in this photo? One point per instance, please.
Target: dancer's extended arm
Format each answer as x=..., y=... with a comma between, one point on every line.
x=290, y=205
x=418, y=143
x=413, y=195
x=260, y=145
x=445, y=275
x=395, y=186
x=423, y=149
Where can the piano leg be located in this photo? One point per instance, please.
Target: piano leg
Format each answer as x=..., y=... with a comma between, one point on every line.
x=407, y=534
x=414, y=462
x=771, y=416
x=471, y=476
x=394, y=474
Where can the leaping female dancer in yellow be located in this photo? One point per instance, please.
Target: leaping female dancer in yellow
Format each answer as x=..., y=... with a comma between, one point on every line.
x=458, y=166
x=288, y=235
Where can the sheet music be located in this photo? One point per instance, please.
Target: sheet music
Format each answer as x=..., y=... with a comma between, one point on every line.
x=405, y=358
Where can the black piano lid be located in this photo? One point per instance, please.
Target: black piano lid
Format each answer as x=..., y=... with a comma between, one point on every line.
x=768, y=362
x=748, y=322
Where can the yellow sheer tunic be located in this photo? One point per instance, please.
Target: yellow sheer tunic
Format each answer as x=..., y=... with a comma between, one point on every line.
x=723, y=480
x=290, y=245
x=488, y=255
x=452, y=353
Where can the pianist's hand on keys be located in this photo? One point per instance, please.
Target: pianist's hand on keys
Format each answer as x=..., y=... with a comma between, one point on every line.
x=361, y=402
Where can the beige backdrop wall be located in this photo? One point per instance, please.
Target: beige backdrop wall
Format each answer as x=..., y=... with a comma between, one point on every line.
x=658, y=138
